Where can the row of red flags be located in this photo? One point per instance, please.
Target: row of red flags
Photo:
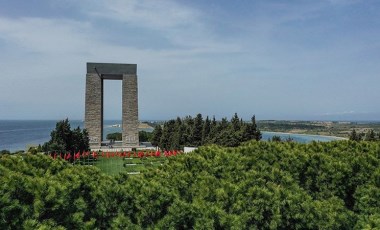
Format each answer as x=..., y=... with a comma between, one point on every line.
x=68, y=156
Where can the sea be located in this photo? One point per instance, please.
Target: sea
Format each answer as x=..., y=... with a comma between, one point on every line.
x=300, y=138
x=21, y=134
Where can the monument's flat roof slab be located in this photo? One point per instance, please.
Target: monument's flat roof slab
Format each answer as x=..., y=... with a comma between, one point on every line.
x=111, y=68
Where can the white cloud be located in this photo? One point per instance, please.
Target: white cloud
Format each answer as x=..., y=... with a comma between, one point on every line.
x=46, y=35
x=241, y=69
x=44, y=62
x=157, y=15
x=180, y=25
x=183, y=26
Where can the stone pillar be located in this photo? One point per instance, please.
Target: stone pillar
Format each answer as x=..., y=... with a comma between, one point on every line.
x=130, y=110
x=94, y=109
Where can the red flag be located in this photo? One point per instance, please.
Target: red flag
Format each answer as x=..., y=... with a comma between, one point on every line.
x=68, y=156
x=94, y=155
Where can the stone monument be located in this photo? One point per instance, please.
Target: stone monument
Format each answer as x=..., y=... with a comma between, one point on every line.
x=96, y=74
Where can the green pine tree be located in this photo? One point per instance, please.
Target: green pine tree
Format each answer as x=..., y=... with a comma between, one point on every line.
x=63, y=139
x=197, y=131
x=206, y=130
x=235, y=122
x=370, y=135
x=156, y=136
x=251, y=132
x=354, y=136
x=213, y=131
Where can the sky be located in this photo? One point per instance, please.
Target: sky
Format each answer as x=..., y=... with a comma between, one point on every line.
x=283, y=60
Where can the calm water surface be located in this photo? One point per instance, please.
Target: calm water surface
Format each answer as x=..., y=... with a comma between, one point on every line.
x=301, y=138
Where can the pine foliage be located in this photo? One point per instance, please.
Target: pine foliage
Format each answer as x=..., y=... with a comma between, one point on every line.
x=64, y=140
x=258, y=185
x=175, y=134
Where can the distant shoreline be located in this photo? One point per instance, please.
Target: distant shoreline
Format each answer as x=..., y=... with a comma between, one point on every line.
x=314, y=135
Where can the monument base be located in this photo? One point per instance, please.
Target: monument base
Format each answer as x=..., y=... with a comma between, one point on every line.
x=121, y=148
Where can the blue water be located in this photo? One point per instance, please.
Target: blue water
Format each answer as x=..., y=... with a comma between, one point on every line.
x=300, y=138
x=18, y=135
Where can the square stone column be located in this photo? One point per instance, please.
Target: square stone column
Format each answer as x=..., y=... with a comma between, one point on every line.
x=94, y=109
x=130, y=118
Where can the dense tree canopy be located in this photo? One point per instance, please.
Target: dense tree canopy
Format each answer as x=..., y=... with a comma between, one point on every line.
x=114, y=136
x=63, y=139
x=175, y=134
x=259, y=185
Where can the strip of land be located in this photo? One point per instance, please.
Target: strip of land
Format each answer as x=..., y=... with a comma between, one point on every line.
x=323, y=128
